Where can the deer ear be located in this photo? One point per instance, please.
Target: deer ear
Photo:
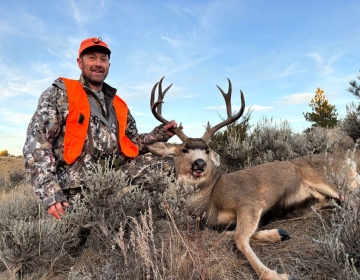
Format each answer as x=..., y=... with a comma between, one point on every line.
x=215, y=158
x=161, y=148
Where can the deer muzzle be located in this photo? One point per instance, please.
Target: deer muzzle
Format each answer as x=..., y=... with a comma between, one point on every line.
x=198, y=167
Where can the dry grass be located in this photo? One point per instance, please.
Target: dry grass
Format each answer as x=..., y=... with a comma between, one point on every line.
x=9, y=164
x=154, y=248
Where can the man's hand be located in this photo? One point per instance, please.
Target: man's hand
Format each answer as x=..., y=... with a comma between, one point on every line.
x=57, y=209
x=169, y=127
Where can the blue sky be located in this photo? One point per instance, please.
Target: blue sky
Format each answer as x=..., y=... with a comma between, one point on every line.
x=277, y=52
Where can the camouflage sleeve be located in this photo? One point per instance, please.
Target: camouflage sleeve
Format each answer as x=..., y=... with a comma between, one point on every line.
x=158, y=134
x=43, y=130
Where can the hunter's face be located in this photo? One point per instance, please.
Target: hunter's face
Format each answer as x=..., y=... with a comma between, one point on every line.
x=95, y=67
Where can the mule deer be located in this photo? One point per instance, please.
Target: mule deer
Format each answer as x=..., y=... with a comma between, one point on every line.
x=244, y=198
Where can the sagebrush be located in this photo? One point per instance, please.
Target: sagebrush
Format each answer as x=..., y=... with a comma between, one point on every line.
x=120, y=231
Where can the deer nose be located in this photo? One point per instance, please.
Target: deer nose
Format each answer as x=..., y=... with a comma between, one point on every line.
x=199, y=164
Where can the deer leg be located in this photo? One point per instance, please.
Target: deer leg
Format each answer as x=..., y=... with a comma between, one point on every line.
x=355, y=180
x=247, y=224
x=324, y=189
x=353, y=174
x=272, y=235
x=354, y=190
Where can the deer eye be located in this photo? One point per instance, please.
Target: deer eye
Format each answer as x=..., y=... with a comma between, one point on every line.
x=207, y=151
x=184, y=151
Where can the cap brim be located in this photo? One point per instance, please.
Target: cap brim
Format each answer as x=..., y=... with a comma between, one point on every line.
x=100, y=49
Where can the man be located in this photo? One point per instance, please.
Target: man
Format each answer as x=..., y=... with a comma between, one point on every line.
x=78, y=123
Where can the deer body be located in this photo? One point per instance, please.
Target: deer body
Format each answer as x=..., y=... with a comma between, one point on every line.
x=244, y=199
x=222, y=195
x=277, y=189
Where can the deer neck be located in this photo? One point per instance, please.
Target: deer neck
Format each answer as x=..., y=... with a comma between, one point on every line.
x=204, y=187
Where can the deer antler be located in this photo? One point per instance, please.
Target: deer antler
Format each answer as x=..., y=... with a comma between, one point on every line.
x=230, y=119
x=156, y=108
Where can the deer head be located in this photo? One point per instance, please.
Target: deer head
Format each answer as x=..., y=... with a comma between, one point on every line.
x=193, y=159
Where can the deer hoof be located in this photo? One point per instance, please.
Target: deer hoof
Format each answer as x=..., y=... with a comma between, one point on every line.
x=275, y=275
x=284, y=235
x=288, y=277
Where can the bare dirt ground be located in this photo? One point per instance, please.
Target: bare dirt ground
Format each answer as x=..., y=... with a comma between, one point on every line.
x=10, y=164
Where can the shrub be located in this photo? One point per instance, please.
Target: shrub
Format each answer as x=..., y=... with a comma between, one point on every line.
x=238, y=129
x=28, y=240
x=351, y=123
x=328, y=140
x=4, y=153
x=15, y=178
x=268, y=141
x=341, y=233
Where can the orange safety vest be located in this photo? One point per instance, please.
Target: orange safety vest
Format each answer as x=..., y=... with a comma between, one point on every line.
x=77, y=122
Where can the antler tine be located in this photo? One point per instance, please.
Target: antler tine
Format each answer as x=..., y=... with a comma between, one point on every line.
x=161, y=94
x=157, y=106
x=152, y=98
x=227, y=97
x=230, y=119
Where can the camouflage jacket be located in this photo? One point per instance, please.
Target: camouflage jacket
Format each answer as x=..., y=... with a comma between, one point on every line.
x=43, y=149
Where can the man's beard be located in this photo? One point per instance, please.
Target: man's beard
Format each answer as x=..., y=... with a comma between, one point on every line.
x=92, y=82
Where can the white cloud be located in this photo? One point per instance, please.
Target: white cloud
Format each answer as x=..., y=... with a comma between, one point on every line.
x=32, y=23
x=78, y=14
x=296, y=98
x=207, y=14
x=323, y=64
x=85, y=11
x=289, y=70
x=257, y=107
x=254, y=107
x=139, y=113
x=6, y=28
x=180, y=10
x=216, y=108
x=172, y=42
x=21, y=23
x=9, y=117
x=16, y=81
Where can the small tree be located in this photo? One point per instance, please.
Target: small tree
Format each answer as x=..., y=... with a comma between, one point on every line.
x=355, y=87
x=4, y=153
x=324, y=114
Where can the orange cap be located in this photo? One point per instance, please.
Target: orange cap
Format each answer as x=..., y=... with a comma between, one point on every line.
x=92, y=42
